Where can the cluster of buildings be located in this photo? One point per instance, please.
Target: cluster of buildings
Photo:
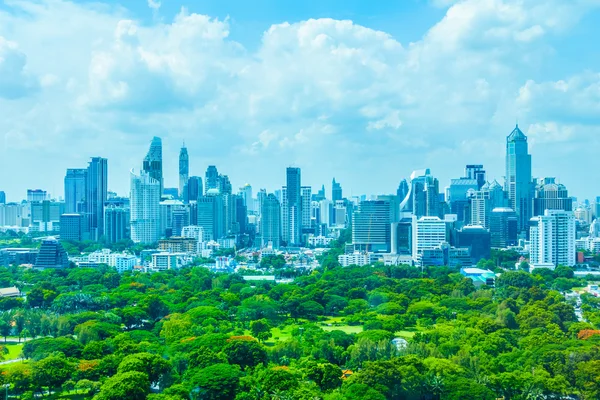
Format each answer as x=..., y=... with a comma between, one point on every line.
x=421, y=224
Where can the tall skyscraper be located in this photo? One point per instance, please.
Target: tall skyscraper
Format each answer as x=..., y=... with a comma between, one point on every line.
x=211, y=178
x=145, y=208
x=116, y=222
x=458, y=197
x=503, y=227
x=270, y=222
x=36, y=195
x=193, y=189
x=153, y=162
x=75, y=184
x=423, y=197
x=246, y=194
x=552, y=239
x=293, y=206
x=371, y=229
x=96, y=194
x=306, y=209
x=483, y=201
x=336, y=191
x=550, y=195
x=2, y=197
x=402, y=190
x=184, y=169
x=518, y=177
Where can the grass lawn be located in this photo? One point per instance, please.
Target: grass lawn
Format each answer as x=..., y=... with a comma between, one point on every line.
x=14, y=350
x=405, y=334
x=344, y=328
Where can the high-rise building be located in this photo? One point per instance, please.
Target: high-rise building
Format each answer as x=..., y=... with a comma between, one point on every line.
x=503, y=227
x=270, y=222
x=193, y=189
x=167, y=211
x=241, y=214
x=371, y=229
x=476, y=172
x=96, y=194
x=224, y=184
x=2, y=197
x=320, y=195
x=458, y=197
x=550, y=195
x=483, y=201
x=116, y=222
x=72, y=227
x=45, y=216
x=75, y=184
x=246, y=194
x=145, y=208
x=36, y=195
x=210, y=215
x=477, y=239
x=51, y=255
x=153, y=162
x=184, y=169
x=428, y=233
x=402, y=190
x=518, y=186
x=292, y=210
x=211, y=178
x=552, y=239
x=306, y=209
x=336, y=191
x=423, y=197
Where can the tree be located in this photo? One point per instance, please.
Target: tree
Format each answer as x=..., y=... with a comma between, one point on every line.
x=261, y=329
x=217, y=382
x=151, y=364
x=129, y=385
x=5, y=329
x=327, y=376
x=363, y=392
x=245, y=351
x=52, y=371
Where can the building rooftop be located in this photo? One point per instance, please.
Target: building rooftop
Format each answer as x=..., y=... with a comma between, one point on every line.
x=516, y=135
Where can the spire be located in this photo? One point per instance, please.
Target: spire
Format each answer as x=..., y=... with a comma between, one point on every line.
x=516, y=135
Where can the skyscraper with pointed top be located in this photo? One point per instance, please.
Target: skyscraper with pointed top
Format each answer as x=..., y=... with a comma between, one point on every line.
x=184, y=169
x=153, y=162
x=336, y=191
x=518, y=184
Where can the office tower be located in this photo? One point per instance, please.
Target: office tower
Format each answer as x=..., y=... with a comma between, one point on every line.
x=116, y=222
x=583, y=213
x=422, y=198
x=45, y=216
x=211, y=178
x=518, y=177
x=550, y=195
x=167, y=210
x=403, y=240
x=241, y=214
x=597, y=207
x=336, y=191
x=180, y=219
x=552, y=239
x=320, y=195
x=224, y=185
x=75, y=184
x=12, y=214
x=371, y=226
x=292, y=199
x=96, y=195
x=402, y=190
x=306, y=209
x=145, y=208
x=477, y=239
x=503, y=227
x=246, y=195
x=325, y=208
x=2, y=197
x=207, y=218
x=270, y=222
x=260, y=197
x=184, y=169
x=193, y=189
x=428, y=233
x=229, y=213
x=152, y=164
x=476, y=172
x=394, y=205
x=459, y=193
x=36, y=195
x=51, y=255
x=483, y=201
x=72, y=227
x=341, y=212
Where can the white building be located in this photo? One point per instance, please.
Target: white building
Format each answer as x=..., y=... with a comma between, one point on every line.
x=145, y=211
x=325, y=208
x=316, y=241
x=125, y=262
x=193, y=232
x=163, y=261
x=355, y=258
x=552, y=239
x=428, y=233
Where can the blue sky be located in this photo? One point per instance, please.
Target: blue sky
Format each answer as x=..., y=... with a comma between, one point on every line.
x=363, y=92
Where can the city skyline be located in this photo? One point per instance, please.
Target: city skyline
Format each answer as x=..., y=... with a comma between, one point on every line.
x=403, y=101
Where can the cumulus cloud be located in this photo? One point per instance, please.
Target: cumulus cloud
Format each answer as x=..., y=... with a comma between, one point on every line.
x=15, y=81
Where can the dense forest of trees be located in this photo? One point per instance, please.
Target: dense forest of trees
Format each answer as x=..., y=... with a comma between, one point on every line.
x=192, y=334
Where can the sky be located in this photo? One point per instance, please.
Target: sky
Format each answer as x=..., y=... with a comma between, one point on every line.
x=365, y=92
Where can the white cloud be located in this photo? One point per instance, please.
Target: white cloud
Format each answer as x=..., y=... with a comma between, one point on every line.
x=15, y=81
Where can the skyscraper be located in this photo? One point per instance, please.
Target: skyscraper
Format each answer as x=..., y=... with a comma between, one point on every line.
x=503, y=227
x=293, y=200
x=306, y=210
x=145, y=209
x=518, y=177
x=96, y=194
x=153, y=162
x=336, y=191
x=371, y=229
x=552, y=239
x=2, y=197
x=270, y=222
x=193, y=189
x=476, y=172
x=116, y=222
x=402, y=190
x=211, y=178
x=550, y=195
x=75, y=183
x=36, y=195
x=51, y=255
x=423, y=197
x=246, y=194
x=184, y=169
